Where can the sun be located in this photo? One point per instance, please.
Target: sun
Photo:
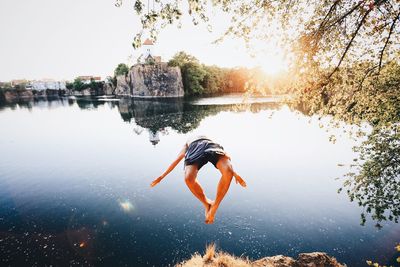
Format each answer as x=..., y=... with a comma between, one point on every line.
x=272, y=62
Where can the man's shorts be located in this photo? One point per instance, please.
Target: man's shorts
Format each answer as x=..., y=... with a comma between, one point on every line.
x=202, y=151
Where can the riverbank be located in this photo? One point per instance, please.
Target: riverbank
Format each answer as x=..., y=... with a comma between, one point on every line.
x=13, y=95
x=215, y=258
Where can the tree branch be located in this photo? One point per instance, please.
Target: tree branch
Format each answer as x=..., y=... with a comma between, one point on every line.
x=346, y=14
x=327, y=15
x=387, y=41
x=350, y=42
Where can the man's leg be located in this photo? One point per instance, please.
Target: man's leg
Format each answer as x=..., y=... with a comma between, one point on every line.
x=225, y=167
x=195, y=187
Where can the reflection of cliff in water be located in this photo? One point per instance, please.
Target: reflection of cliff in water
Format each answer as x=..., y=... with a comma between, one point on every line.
x=157, y=116
x=180, y=115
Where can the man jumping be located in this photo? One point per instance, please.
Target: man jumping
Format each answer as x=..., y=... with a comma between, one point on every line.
x=197, y=152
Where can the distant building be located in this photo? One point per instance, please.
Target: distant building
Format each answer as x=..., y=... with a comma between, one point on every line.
x=148, y=54
x=88, y=79
x=19, y=82
x=148, y=48
x=46, y=84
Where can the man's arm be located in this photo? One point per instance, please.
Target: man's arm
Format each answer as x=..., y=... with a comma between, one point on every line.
x=181, y=155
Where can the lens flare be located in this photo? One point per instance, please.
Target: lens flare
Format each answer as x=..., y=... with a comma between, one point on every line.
x=126, y=206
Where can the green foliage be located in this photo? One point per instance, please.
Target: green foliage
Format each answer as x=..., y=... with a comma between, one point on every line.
x=192, y=77
x=192, y=73
x=200, y=79
x=355, y=97
x=214, y=80
x=95, y=85
x=121, y=69
x=78, y=85
x=181, y=58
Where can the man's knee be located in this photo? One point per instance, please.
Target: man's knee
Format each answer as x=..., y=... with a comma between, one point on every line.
x=227, y=170
x=190, y=178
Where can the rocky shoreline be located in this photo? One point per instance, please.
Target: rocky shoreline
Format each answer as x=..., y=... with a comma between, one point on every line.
x=158, y=80
x=213, y=258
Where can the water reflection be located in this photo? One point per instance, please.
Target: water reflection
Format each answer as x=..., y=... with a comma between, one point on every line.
x=374, y=186
x=76, y=192
x=155, y=116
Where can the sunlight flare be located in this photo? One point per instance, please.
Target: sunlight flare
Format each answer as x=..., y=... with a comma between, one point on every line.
x=272, y=62
x=126, y=206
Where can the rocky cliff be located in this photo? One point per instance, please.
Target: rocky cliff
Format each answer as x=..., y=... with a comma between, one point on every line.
x=213, y=258
x=144, y=80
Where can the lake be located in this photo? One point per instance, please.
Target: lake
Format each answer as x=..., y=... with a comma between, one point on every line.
x=75, y=176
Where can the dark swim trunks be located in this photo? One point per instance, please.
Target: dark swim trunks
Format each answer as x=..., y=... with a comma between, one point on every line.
x=202, y=151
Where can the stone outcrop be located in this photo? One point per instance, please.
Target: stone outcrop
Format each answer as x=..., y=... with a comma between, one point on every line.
x=146, y=80
x=108, y=88
x=123, y=87
x=216, y=259
x=314, y=259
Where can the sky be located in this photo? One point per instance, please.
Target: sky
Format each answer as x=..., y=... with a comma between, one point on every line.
x=63, y=39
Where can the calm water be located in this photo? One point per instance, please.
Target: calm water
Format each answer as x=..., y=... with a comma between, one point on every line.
x=75, y=175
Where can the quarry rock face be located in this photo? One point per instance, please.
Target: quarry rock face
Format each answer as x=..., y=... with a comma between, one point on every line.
x=147, y=80
x=123, y=88
x=108, y=89
x=158, y=80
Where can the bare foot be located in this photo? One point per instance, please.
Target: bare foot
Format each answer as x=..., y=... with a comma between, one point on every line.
x=239, y=180
x=208, y=207
x=211, y=214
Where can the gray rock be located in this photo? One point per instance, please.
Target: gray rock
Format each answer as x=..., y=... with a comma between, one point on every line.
x=108, y=88
x=123, y=86
x=144, y=80
x=314, y=259
x=159, y=80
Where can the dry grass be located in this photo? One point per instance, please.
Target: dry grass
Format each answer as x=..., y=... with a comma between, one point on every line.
x=214, y=258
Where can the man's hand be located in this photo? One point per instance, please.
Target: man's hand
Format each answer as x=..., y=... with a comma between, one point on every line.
x=156, y=181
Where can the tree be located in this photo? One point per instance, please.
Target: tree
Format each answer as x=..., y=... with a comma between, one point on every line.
x=192, y=77
x=78, y=84
x=192, y=72
x=181, y=58
x=121, y=69
x=322, y=33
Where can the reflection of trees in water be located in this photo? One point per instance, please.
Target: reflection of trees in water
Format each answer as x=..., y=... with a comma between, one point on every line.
x=92, y=103
x=374, y=180
x=29, y=103
x=180, y=115
x=375, y=183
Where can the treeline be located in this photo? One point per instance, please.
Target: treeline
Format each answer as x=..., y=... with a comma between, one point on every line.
x=79, y=85
x=200, y=79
